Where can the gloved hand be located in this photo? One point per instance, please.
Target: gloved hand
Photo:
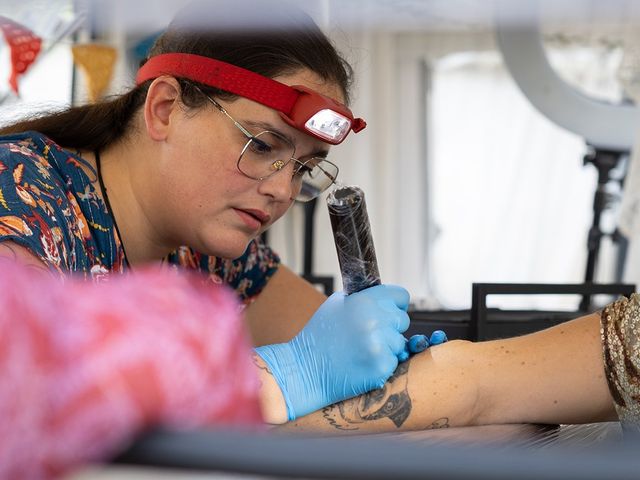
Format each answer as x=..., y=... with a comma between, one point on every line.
x=349, y=347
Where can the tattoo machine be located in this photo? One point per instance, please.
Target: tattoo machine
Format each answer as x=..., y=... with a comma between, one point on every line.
x=352, y=235
x=357, y=255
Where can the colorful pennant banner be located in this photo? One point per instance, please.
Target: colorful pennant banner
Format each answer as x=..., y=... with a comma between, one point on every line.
x=96, y=61
x=25, y=47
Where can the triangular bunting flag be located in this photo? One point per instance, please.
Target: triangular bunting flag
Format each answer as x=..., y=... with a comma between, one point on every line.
x=96, y=61
x=25, y=47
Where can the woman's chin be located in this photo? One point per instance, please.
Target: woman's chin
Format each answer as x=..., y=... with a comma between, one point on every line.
x=224, y=242
x=230, y=250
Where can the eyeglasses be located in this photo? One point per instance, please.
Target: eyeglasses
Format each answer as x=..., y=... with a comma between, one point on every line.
x=267, y=152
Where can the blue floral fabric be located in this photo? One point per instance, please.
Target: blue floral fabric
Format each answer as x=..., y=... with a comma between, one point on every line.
x=48, y=204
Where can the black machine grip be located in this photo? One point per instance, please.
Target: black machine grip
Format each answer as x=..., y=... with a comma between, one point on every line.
x=352, y=235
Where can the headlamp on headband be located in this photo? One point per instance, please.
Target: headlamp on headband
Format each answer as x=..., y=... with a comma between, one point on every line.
x=321, y=116
x=299, y=106
x=329, y=124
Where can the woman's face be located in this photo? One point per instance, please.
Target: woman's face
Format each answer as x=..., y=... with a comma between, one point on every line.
x=205, y=201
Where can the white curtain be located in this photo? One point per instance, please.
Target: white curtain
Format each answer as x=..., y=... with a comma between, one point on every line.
x=511, y=198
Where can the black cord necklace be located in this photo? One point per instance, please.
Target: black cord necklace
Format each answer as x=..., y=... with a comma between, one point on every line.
x=108, y=205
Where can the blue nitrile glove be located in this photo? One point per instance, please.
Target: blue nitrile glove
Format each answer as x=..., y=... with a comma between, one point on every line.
x=349, y=347
x=419, y=343
x=437, y=337
x=405, y=353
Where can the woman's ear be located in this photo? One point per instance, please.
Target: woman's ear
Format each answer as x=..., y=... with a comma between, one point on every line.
x=160, y=106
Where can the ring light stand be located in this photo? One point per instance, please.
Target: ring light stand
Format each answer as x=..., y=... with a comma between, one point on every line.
x=608, y=129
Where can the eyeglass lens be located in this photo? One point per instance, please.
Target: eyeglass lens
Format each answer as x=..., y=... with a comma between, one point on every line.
x=267, y=153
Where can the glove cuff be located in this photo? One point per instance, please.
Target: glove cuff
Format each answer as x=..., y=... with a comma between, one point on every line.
x=282, y=364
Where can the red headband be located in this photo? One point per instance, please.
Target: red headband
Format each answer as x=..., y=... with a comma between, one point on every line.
x=301, y=107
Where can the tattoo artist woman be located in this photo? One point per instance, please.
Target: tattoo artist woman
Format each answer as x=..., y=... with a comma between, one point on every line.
x=219, y=136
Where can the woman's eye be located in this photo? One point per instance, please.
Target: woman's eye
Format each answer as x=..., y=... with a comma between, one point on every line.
x=260, y=147
x=302, y=169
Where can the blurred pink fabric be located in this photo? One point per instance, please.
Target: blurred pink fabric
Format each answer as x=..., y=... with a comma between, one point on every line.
x=85, y=367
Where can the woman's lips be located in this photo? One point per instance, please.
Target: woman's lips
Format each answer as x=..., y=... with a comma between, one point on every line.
x=254, y=219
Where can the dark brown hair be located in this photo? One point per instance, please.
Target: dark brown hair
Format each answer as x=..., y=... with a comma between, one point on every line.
x=268, y=37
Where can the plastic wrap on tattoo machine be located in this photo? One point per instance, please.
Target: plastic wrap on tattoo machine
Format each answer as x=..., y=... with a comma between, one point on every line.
x=352, y=235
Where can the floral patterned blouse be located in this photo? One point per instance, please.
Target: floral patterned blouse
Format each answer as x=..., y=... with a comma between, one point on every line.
x=49, y=205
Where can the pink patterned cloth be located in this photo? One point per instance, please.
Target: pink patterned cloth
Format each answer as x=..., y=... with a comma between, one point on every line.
x=85, y=367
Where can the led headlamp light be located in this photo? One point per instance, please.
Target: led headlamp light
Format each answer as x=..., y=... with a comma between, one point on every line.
x=299, y=106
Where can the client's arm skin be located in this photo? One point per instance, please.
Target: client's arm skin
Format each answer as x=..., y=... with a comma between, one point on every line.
x=552, y=376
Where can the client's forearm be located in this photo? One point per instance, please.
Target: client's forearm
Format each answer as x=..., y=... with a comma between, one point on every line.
x=552, y=376
x=432, y=390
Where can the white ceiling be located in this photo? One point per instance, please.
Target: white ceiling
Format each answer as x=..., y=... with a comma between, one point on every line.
x=396, y=14
x=452, y=14
x=142, y=16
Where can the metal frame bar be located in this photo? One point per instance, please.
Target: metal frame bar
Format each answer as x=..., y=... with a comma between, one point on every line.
x=480, y=291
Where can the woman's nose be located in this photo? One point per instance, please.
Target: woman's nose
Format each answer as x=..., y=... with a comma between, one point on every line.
x=279, y=185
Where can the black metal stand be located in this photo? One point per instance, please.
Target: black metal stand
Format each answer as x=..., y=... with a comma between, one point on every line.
x=307, y=266
x=309, y=215
x=605, y=162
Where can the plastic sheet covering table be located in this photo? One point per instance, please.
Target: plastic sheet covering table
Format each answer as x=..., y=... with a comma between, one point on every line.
x=583, y=452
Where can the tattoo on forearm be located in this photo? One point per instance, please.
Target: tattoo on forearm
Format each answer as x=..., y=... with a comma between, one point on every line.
x=260, y=365
x=439, y=423
x=392, y=401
